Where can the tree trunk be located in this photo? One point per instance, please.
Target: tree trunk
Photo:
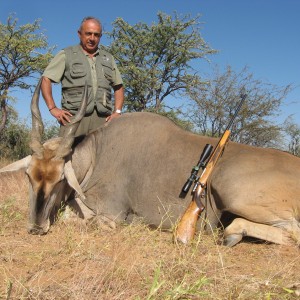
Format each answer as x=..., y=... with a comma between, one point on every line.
x=3, y=106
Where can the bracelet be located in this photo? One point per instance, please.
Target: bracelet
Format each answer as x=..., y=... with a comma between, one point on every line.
x=52, y=108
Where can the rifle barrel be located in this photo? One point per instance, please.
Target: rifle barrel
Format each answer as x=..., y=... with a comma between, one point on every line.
x=243, y=96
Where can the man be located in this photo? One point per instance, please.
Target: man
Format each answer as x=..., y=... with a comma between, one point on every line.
x=75, y=65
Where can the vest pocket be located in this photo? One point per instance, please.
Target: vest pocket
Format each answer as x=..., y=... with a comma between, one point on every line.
x=73, y=94
x=103, y=101
x=77, y=70
x=72, y=98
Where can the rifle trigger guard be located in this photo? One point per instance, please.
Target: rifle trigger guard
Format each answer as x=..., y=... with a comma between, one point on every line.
x=200, y=195
x=200, y=204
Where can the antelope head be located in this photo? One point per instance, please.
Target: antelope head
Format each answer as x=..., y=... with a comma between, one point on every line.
x=49, y=168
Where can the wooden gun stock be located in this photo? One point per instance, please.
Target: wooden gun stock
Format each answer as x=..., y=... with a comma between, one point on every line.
x=186, y=227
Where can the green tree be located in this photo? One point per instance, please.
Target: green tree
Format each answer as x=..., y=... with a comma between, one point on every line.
x=292, y=132
x=14, y=140
x=214, y=105
x=24, y=51
x=155, y=61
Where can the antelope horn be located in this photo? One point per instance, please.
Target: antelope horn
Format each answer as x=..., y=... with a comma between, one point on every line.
x=69, y=133
x=37, y=124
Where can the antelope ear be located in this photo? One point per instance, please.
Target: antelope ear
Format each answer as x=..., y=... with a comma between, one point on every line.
x=17, y=165
x=72, y=180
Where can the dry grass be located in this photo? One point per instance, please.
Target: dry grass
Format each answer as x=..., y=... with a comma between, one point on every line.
x=81, y=261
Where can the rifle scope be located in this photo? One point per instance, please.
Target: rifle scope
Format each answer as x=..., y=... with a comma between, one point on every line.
x=201, y=163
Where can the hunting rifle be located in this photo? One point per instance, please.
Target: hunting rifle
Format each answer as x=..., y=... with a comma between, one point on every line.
x=186, y=227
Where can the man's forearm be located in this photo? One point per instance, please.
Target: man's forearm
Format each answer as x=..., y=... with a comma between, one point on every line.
x=119, y=97
x=46, y=88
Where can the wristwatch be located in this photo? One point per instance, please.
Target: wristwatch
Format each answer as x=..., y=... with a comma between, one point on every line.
x=118, y=111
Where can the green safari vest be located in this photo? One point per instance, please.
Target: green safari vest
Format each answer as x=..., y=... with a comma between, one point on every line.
x=77, y=71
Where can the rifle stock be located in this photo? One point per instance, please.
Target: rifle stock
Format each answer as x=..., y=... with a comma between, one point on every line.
x=186, y=227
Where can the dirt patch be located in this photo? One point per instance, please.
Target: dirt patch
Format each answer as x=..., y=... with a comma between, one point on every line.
x=76, y=260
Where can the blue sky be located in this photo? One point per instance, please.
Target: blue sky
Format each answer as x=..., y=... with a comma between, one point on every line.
x=260, y=34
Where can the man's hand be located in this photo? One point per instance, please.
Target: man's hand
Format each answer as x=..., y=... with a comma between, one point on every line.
x=61, y=115
x=113, y=116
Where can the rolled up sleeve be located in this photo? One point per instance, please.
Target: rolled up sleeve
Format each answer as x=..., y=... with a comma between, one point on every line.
x=56, y=68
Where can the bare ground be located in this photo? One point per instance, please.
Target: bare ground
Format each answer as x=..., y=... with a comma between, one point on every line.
x=76, y=260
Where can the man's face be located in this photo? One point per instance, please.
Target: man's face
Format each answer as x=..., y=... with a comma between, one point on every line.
x=90, y=34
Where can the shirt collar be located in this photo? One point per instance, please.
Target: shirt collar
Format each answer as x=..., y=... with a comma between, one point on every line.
x=86, y=54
